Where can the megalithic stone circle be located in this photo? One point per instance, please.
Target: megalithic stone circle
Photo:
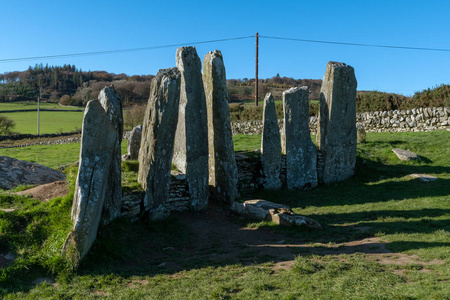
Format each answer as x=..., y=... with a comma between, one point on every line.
x=158, y=133
x=301, y=153
x=191, y=138
x=223, y=176
x=98, y=141
x=271, y=145
x=112, y=105
x=336, y=135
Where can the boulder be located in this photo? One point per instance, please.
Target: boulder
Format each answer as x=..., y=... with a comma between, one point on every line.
x=336, y=135
x=99, y=138
x=271, y=145
x=134, y=143
x=223, y=175
x=14, y=172
x=405, y=154
x=301, y=153
x=268, y=211
x=158, y=134
x=191, y=138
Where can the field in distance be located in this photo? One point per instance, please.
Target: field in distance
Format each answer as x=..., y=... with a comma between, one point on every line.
x=31, y=105
x=59, y=119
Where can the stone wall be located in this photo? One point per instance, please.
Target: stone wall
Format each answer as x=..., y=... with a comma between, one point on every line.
x=420, y=119
x=417, y=119
x=16, y=137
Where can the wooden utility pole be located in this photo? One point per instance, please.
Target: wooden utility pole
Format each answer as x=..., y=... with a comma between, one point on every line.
x=38, y=108
x=256, y=71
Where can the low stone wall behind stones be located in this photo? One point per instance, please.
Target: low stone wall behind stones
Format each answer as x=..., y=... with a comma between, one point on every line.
x=417, y=119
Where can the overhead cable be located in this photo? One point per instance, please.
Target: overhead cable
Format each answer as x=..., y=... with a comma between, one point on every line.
x=119, y=50
x=354, y=44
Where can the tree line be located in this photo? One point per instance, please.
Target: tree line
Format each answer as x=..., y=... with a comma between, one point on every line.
x=68, y=83
x=72, y=86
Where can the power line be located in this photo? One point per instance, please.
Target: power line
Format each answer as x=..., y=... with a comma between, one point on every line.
x=5, y=60
x=355, y=44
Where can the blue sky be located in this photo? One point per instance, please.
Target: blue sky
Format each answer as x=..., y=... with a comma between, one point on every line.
x=39, y=28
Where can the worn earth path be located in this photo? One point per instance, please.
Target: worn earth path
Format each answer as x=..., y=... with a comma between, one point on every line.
x=217, y=237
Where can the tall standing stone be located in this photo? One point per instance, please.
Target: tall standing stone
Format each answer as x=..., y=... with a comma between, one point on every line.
x=301, y=153
x=271, y=145
x=113, y=107
x=336, y=135
x=223, y=176
x=98, y=141
x=158, y=133
x=134, y=143
x=191, y=139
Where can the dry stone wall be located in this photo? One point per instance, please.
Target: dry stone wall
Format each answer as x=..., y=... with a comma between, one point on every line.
x=417, y=119
x=423, y=119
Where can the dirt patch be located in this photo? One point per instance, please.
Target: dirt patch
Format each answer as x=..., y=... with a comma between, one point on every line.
x=219, y=240
x=47, y=191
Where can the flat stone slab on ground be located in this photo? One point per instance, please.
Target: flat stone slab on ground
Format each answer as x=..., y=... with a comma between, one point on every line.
x=423, y=177
x=277, y=213
x=14, y=172
x=405, y=154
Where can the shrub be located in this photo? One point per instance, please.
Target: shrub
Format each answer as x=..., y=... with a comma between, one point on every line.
x=6, y=125
x=134, y=115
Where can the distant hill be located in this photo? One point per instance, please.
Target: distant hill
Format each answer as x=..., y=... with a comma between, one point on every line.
x=72, y=86
x=244, y=89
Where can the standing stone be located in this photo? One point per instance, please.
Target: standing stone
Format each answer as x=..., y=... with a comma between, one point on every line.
x=336, y=135
x=134, y=143
x=360, y=134
x=271, y=145
x=223, y=175
x=158, y=133
x=99, y=138
x=113, y=107
x=191, y=138
x=301, y=153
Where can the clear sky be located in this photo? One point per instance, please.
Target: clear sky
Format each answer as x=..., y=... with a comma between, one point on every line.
x=41, y=28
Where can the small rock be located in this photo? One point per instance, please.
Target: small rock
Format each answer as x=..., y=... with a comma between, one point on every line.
x=162, y=265
x=42, y=280
x=423, y=177
x=405, y=154
x=10, y=256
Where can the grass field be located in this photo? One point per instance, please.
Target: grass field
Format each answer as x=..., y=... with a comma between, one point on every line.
x=50, y=121
x=405, y=221
x=26, y=105
x=52, y=156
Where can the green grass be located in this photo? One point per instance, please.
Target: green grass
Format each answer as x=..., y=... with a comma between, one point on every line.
x=50, y=121
x=411, y=216
x=26, y=105
x=52, y=156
